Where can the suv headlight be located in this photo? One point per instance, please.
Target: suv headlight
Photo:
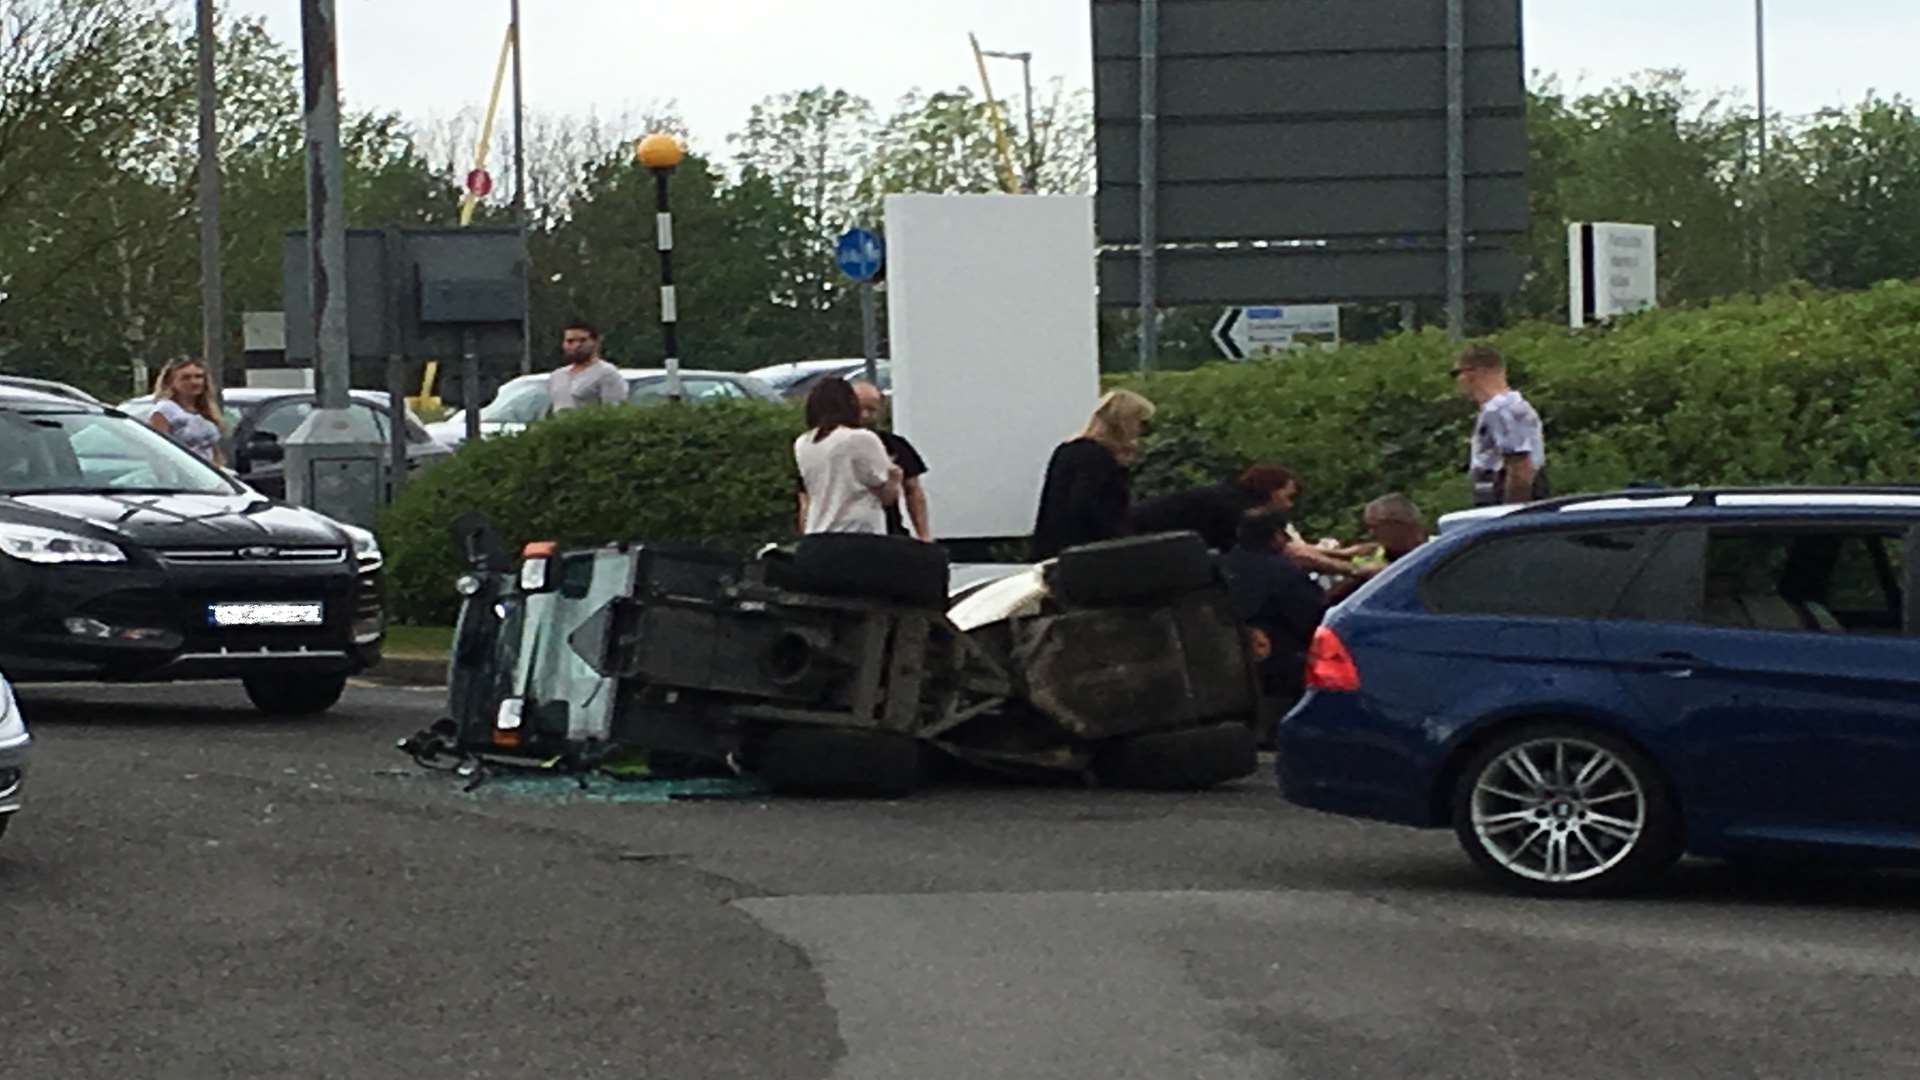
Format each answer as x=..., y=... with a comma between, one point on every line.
x=30, y=543
x=366, y=546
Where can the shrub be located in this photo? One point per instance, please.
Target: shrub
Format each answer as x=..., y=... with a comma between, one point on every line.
x=1794, y=387
x=719, y=474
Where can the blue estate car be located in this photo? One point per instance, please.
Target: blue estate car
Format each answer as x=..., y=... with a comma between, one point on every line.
x=1587, y=688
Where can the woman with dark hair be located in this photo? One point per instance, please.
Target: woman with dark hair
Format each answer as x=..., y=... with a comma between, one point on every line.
x=1215, y=511
x=844, y=468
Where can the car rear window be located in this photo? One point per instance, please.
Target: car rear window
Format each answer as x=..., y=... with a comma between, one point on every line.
x=1561, y=574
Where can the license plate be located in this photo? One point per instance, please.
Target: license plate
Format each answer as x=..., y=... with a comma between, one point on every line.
x=265, y=614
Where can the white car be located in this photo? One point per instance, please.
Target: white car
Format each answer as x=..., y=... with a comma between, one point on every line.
x=13, y=754
x=524, y=399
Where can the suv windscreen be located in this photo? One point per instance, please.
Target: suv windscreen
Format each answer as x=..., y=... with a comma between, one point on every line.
x=1561, y=574
x=51, y=451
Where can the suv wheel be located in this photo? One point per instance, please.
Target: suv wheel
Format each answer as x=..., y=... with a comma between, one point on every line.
x=1564, y=810
x=294, y=694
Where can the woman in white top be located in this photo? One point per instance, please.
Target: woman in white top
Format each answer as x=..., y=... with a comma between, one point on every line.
x=185, y=409
x=849, y=479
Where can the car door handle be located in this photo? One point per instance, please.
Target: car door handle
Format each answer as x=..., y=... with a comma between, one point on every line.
x=1678, y=665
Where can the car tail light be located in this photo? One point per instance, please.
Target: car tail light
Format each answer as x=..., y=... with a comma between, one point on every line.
x=1329, y=665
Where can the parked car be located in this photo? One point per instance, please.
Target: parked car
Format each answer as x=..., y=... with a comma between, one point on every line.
x=13, y=755
x=1586, y=688
x=524, y=399
x=48, y=386
x=796, y=380
x=262, y=418
x=125, y=557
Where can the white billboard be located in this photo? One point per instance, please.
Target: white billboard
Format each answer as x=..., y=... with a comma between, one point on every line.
x=1612, y=269
x=995, y=341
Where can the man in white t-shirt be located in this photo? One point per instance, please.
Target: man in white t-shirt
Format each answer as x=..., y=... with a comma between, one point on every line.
x=1507, y=456
x=585, y=379
x=848, y=477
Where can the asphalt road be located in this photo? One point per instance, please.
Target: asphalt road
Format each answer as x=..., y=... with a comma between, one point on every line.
x=196, y=892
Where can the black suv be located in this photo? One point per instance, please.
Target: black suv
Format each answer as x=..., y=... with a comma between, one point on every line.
x=124, y=557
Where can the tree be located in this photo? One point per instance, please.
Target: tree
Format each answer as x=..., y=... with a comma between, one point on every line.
x=1862, y=175
x=1649, y=151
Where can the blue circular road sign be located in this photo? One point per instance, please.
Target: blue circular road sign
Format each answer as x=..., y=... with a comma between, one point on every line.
x=860, y=254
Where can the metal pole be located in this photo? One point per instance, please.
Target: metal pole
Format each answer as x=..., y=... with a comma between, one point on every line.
x=870, y=332
x=1760, y=66
x=1456, y=169
x=213, y=338
x=470, y=383
x=520, y=191
x=1149, y=182
x=1033, y=142
x=669, y=299
x=326, y=204
x=392, y=251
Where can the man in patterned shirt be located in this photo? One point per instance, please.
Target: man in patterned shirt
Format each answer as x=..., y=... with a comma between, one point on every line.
x=1508, y=462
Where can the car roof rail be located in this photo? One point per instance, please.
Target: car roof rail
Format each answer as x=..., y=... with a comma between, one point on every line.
x=1708, y=497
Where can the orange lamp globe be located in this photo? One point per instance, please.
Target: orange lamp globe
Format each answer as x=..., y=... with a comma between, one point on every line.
x=659, y=151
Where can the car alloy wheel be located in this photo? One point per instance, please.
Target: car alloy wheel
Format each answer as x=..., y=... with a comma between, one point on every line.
x=1562, y=811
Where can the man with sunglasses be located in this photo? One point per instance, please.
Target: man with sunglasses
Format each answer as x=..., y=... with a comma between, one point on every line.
x=1508, y=454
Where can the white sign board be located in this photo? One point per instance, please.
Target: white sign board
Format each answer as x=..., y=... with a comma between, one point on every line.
x=994, y=337
x=1611, y=270
x=1245, y=332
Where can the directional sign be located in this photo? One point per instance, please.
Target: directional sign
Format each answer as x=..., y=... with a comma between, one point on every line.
x=1245, y=332
x=860, y=254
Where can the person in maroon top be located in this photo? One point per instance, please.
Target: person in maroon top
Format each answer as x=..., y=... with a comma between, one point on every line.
x=1088, y=491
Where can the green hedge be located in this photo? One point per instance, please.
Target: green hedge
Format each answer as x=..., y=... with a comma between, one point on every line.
x=1794, y=387
x=718, y=474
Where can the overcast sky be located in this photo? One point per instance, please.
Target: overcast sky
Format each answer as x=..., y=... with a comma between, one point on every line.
x=713, y=59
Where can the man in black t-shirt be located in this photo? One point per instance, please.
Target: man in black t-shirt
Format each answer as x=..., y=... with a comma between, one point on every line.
x=912, y=466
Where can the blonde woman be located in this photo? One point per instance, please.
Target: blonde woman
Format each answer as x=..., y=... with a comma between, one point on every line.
x=1088, y=492
x=184, y=408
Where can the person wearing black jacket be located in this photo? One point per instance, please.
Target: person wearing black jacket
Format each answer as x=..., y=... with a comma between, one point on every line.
x=1274, y=596
x=1215, y=511
x=1088, y=491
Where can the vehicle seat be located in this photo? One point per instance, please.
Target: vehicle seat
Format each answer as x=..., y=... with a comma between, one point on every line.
x=1771, y=611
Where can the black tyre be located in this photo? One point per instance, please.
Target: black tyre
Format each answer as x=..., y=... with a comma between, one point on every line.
x=1191, y=759
x=1561, y=809
x=1138, y=569
x=295, y=694
x=5, y=820
x=835, y=761
x=893, y=568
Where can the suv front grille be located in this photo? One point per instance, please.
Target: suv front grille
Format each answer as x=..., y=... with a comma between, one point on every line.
x=254, y=553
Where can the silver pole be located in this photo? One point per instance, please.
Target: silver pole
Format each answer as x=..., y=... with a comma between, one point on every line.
x=1033, y=141
x=213, y=338
x=1456, y=169
x=520, y=190
x=1149, y=182
x=326, y=204
x=870, y=332
x=1760, y=66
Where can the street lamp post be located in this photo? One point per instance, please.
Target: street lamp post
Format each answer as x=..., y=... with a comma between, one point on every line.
x=660, y=154
x=1033, y=143
x=213, y=338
